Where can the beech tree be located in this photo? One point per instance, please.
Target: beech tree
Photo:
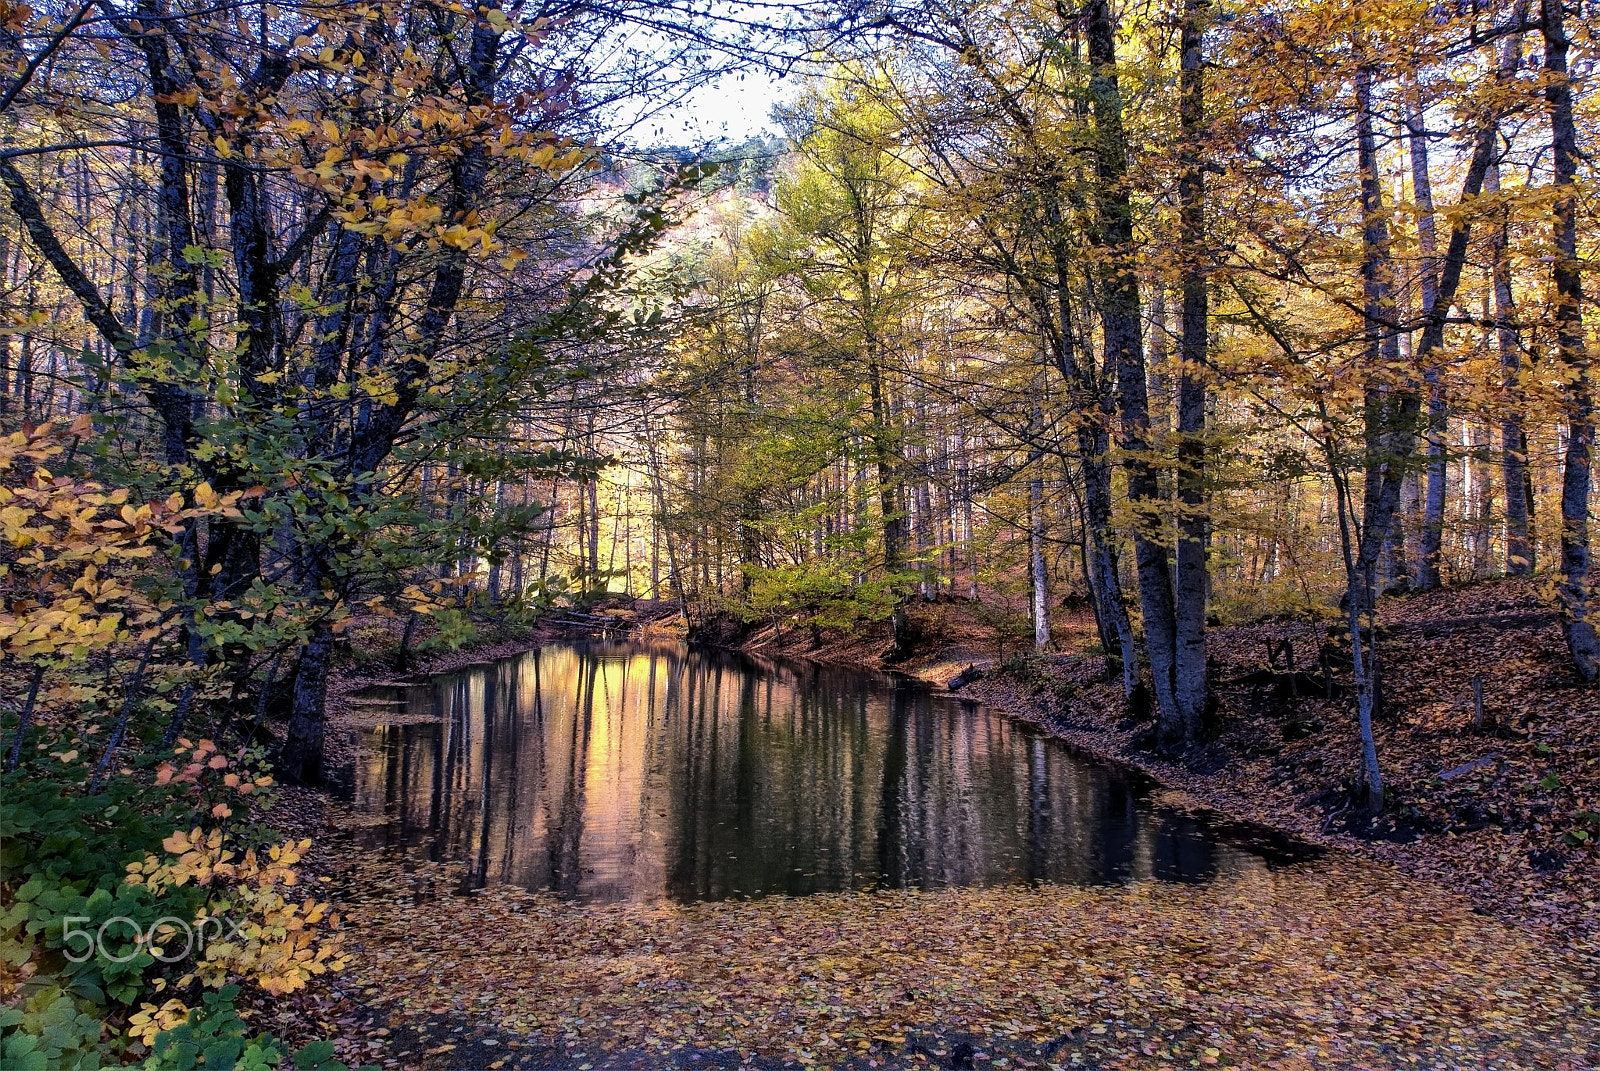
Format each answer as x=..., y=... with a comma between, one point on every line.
x=336, y=223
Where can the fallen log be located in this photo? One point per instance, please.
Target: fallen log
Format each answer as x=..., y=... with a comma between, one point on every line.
x=967, y=676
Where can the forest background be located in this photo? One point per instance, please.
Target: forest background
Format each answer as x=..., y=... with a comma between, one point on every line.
x=321, y=315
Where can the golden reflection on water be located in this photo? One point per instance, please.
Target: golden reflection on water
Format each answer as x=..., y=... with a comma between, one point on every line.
x=625, y=771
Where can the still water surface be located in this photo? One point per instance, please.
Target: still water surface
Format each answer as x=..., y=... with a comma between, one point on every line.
x=627, y=771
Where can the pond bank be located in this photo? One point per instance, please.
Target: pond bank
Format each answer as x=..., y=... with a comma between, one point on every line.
x=1503, y=812
x=1506, y=827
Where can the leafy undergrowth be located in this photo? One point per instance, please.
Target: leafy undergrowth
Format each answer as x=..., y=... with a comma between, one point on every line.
x=1336, y=963
x=1506, y=810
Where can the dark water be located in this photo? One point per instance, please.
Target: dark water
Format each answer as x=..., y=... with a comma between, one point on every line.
x=620, y=771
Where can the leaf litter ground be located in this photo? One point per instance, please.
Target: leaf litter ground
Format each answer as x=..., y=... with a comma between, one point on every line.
x=1332, y=964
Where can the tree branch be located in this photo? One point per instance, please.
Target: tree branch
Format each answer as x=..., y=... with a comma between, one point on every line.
x=26, y=205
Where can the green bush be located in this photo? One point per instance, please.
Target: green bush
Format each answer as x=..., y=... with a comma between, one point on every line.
x=821, y=594
x=79, y=971
x=65, y=856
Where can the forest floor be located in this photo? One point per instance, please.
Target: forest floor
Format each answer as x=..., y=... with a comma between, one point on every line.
x=1458, y=932
x=1335, y=964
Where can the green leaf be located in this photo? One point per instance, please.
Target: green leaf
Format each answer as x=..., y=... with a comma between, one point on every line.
x=314, y=1054
x=20, y=1045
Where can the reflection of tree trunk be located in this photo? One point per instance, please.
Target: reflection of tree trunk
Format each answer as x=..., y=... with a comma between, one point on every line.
x=542, y=741
x=1038, y=810
x=566, y=864
x=397, y=778
x=682, y=867
x=486, y=800
x=437, y=769
x=712, y=701
x=512, y=707
x=444, y=839
x=896, y=756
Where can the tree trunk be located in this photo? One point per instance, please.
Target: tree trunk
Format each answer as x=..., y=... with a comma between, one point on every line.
x=1521, y=550
x=1124, y=351
x=1159, y=384
x=1193, y=500
x=1520, y=554
x=300, y=760
x=1571, y=349
x=886, y=453
x=1483, y=505
x=1381, y=343
x=592, y=490
x=1431, y=538
x=1370, y=776
x=1104, y=579
x=1041, y=586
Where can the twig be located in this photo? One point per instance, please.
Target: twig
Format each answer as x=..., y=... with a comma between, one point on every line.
x=44, y=53
x=175, y=726
x=27, y=713
x=129, y=698
x=261, y=705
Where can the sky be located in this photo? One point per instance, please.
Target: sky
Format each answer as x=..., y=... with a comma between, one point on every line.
x=733, y=107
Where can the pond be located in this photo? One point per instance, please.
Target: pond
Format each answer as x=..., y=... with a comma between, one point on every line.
x=622, y=771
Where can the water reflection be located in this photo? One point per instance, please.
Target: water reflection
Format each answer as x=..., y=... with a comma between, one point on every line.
x=628, y=772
